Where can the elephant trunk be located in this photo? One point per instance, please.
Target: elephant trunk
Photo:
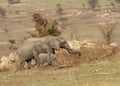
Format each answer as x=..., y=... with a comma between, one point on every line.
x=66, y=46
x=73, y=52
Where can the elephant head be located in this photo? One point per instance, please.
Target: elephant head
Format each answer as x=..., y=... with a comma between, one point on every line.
x=59, y=42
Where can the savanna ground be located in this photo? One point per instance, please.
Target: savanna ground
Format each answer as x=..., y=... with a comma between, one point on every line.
x=90, y=70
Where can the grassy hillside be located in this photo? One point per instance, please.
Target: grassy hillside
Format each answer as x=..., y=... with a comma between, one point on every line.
x=23, y=23
x=102, y=73
x=48, y=4
x=84, y=26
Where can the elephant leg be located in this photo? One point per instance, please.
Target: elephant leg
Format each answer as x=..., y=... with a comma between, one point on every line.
x=41, y=64
x=50, y=57
x=36, y=57
x=21, y=64
x=29, y=65
x=52, y=51
x=50, y=61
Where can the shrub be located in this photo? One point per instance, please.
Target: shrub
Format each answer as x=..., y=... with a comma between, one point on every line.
x=2, y=11
x=44, y=28
x=93, y=3
x=54, y=32
x=117, y=1
x=13, y=1
x=107, y=30
x=59, y=10
x=12, y=42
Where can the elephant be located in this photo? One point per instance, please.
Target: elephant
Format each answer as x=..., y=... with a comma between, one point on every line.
x=44, y=58
x=32, y=50
x=55, y=42
x=32, y=47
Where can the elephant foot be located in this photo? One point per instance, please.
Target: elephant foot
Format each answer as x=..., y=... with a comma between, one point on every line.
x=31, y=66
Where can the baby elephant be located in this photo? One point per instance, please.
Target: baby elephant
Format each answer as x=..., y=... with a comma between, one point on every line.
x=44, y=58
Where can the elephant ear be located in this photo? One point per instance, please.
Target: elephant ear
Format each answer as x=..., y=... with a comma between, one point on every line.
x=54, y=44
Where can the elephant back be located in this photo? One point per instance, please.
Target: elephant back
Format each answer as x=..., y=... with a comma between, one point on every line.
x=25, y=51
x=33, y=40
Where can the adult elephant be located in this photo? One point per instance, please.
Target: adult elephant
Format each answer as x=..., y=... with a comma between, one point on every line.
x=54, y=42
x=32, y=47
x=32, y=50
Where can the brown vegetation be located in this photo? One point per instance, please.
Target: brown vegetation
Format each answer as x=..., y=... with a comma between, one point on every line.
x=64, y=59
x=88, y=55
x=107, y=30
x=44, y=28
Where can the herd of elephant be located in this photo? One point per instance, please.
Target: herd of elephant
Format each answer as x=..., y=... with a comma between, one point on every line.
x=32, y=48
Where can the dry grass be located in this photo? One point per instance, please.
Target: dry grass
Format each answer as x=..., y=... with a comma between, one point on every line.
x=88, y=55
x=86, y=70
x=85, y=26
x=96, y=67
x=99, y=73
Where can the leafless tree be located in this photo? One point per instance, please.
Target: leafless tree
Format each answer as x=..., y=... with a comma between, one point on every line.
x=107, y=30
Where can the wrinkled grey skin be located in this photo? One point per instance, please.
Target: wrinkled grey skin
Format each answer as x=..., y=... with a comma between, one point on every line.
x=55, y=42
x=30, y=51
x=44, y=58
x=32, y=47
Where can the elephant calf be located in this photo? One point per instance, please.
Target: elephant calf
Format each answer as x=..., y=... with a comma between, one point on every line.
x=44, y=58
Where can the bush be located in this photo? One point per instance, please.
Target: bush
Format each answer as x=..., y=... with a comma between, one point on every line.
x=44, y=28
x=12, y=42
x=117, y=1
x=107, y=30
x=59, y=10
x=54, y=32
x=93, y=3
x=2, y=11
x=13, y=1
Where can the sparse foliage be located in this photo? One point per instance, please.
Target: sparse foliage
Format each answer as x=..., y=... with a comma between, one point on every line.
x=117, y=1
x=13, y=1
x=112, y=4
x=83, y=5
x=107, y=30
x=59, y=10
x=93, y=3
x=6, y=30
x=52, y=29
x=44, y=28
x=2, y=11
x=62, y=20
x=12, y=42
x=74, y=36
